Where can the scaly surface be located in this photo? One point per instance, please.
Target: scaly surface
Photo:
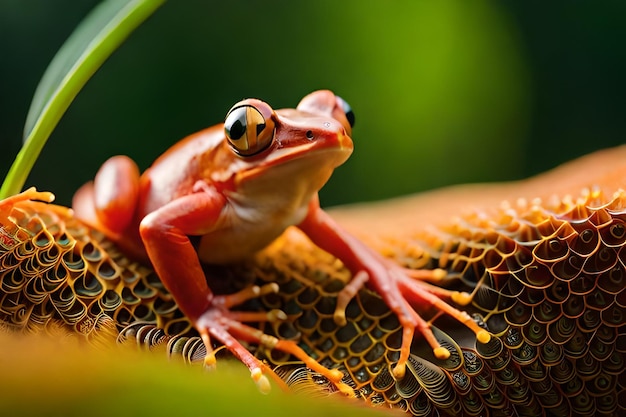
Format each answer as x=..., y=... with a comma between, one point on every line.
x=548, y=282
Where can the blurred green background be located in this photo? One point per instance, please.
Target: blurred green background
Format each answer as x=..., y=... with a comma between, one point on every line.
x=444, y=92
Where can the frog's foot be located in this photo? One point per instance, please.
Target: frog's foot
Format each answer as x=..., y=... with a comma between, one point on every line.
x=30, y=194
x=226, y=326
x=421, y=277
x=401, y=292
x=34, y=199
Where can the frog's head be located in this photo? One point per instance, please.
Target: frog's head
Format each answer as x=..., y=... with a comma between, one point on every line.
x=290, y=146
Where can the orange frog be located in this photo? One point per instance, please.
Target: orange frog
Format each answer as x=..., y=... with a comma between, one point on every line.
x=236, y=187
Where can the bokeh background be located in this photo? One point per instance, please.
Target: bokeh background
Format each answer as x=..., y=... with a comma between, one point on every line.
x=444, y=92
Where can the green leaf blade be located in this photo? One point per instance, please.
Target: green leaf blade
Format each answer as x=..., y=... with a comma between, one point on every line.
x=93, y=41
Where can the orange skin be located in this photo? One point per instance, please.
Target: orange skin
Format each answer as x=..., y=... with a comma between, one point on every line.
x=237, y=203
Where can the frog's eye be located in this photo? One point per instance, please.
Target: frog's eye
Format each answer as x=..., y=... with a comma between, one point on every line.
x=247, y=131
x=347, y=110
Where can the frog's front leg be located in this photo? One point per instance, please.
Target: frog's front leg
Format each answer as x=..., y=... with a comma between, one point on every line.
x=165, y=235
x=400, y=290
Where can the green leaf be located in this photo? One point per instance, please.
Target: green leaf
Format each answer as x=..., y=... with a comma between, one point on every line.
x=93, y=41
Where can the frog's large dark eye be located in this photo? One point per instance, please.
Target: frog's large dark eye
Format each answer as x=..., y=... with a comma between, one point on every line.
x=347, y=110
x=247, y=131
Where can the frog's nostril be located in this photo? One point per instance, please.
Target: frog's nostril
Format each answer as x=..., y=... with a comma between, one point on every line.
x=309, y=134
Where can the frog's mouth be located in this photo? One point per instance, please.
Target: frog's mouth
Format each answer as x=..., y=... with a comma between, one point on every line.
x=292, y=178
x=304, y=162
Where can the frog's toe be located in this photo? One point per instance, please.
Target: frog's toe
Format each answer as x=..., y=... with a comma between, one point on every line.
x=347, y=294
x=30, y=194
x=416, y=294
x=249, y=293
x=215, y=325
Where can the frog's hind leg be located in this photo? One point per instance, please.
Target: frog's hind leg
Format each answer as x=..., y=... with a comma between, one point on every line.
x=110, y=201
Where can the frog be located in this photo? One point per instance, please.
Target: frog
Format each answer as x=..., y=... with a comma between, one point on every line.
x=224, y=193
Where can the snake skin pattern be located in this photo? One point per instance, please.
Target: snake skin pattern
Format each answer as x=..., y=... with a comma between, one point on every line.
x=548, y=282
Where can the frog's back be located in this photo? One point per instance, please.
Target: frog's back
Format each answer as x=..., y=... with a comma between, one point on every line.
x=175, y=172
